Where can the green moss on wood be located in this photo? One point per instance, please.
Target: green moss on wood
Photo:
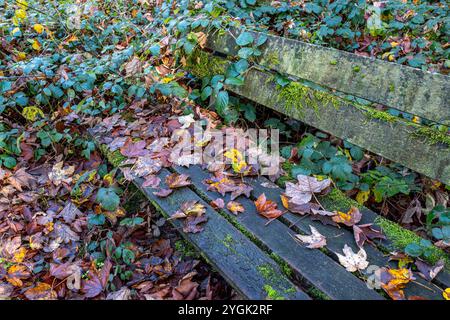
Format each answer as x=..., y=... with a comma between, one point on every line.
x=317, y=294
x=337, y=200
x=401, y=237
x=298, y=96
x=272, y=59
x=228, y=241
x=433, y=135
x=272, y=294
x=287, y=270
x=380, y=115
x=203, y=64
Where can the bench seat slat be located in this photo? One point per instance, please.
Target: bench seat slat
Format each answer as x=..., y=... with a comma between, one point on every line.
x=338, y=237
x=228, y=250
x=401, y=87
x=319, y=269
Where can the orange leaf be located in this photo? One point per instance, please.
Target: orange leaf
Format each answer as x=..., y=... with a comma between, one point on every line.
x=267, y=208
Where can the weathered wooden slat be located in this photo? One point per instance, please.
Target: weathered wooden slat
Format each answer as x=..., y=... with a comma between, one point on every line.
x=396, y=140
x=228, y=250
x=407, y=89
x=338, y=237
x=313, y=265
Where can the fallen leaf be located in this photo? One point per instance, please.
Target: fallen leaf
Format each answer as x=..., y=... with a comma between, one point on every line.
x=365, y=232
x=353, y=261
x=267, y=208
x=163, y=193
x=98, y=280
x=5, y=291
x=189, y=208
x=42, y=291
x=60, y=175
x=350, y=218
x=218, y=203
x=235, y=207
x=20, y=179
x=176, y=180
x=123, y=294
x=429, y=272
x=446, y=294
x=315, y=240
x=134, y=149
x=151, y=181
x=146, y=165
x=302, y=191
x=394, y=281
x=193, y=224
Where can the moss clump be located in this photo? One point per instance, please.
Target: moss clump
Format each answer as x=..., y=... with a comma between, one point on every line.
x=203, y=64
x=270, y=274
x=380, y=115
x=298, y=96
x=434, y=136
x=333, y=62
x=272, y=59
x=356, y=69
x=115, y=158
x=337, y=200
x=228, y=241
x=287, y=270
x=401, y=237
x=317, y=294
x=273, y=294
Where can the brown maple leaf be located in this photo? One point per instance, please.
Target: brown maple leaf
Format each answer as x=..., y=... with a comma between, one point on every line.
x=20, y=179
x=176, y=180
x=267, y=208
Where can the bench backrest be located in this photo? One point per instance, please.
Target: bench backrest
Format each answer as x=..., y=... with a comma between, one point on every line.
x=419, y=93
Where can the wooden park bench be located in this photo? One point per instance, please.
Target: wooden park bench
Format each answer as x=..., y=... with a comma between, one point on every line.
x=264, y=261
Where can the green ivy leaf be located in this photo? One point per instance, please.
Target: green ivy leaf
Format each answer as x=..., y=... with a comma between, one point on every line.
x=245, y=38
x=108, y=199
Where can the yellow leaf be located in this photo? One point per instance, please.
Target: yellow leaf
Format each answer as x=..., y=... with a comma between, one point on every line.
x=416, y=119
x=21, y=56
x=36, y=45
x=20, y=14
x=237, y=160
x=22, y=4
x=362, y=197
x=446, y=294
x=39, y=28
x=31, y=113
x=391, y=58
x=19, y=255
x=394, y=44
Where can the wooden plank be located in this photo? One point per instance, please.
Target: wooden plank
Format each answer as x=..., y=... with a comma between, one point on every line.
x=313, y=265
x=395, y=140
x=228, y=250
x=338, y=237
x=407, y=89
